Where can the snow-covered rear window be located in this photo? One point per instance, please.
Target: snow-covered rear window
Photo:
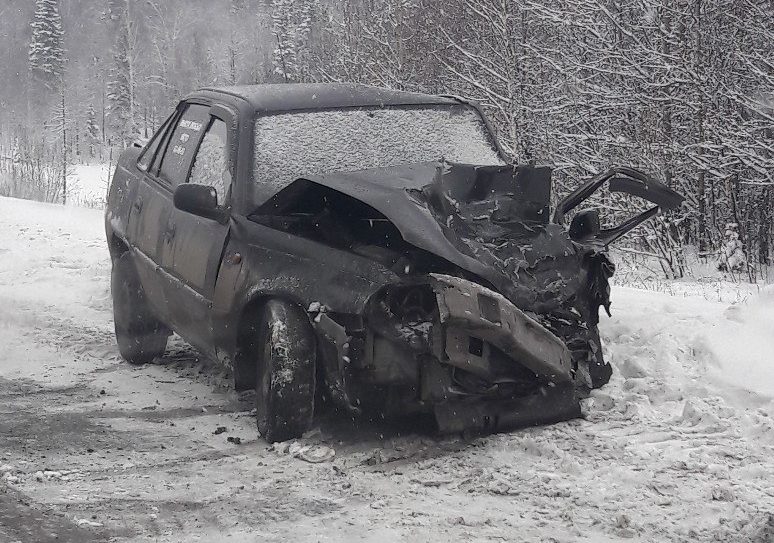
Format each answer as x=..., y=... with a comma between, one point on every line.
x=292, y=145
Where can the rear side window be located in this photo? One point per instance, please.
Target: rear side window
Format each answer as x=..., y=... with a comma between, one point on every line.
x=182, y=145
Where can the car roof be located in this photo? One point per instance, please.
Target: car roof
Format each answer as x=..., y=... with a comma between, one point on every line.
x=273, y=98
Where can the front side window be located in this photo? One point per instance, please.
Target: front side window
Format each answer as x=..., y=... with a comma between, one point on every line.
x=181, y=147
x=292, y=145
x=211, y=165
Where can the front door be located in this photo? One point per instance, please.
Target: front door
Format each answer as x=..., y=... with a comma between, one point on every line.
x=194, y=244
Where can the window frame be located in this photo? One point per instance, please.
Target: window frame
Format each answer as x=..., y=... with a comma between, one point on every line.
x=181, y=109
x=158, y=137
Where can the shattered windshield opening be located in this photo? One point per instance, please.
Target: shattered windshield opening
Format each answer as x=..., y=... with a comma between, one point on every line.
x=293, y=145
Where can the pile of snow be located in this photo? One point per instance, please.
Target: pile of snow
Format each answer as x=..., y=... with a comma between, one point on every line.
x=689, y=338
x=742, y=343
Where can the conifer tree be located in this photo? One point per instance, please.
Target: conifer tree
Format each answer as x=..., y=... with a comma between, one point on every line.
x=46, y=54
x=120, y=85
x=93, y=135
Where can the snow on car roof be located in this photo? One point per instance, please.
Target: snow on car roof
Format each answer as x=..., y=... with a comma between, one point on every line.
x=273, y=98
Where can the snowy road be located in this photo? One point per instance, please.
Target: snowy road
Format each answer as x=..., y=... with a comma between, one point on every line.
x=92, y=449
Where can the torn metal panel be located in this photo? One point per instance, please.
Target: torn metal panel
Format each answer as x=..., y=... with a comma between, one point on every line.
x=470, y=311
x=477, y=229
x=335, y=351
x=549, y=405
x=631, y=181
x=622, y=180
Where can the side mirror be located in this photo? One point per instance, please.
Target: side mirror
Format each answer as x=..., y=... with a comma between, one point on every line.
x=201, y=200
x=584, y=225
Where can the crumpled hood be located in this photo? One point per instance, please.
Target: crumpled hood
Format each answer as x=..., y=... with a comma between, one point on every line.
x=491, y=221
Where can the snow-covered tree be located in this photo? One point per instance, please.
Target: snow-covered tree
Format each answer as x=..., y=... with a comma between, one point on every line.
x=732, y=257
x=46, y=54
x=121, y=81
x=292, y=24
x=203, y=63
x=92, y=131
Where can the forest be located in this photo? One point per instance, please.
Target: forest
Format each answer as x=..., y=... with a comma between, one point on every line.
x=683, y=89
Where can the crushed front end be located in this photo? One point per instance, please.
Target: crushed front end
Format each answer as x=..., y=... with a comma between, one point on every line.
x=454, y=349
x=490, y=319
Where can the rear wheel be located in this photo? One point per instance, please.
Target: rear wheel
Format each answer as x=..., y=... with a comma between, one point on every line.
x=285, y=376
x=140, y=336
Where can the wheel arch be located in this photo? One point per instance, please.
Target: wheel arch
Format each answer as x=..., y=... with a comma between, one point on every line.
x=245, y=359
x=117, y=246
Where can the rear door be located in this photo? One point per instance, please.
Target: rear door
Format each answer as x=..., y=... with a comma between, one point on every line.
x=194, y=245
x=149, y=214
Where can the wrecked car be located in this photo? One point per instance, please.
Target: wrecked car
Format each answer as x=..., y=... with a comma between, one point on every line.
x=370, y=247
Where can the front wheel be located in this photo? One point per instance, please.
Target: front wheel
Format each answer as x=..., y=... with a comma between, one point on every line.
x=140, y=336
x=285, y=383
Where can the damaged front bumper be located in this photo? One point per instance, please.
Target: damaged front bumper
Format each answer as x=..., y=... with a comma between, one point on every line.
x=477, y=327
x=473, y=360
x=474, y=319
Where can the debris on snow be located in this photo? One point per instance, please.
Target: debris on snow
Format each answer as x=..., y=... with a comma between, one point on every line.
x=722, y=493
x=50, y=475
x=87, y=522
x=317, y=309
x=312, y=453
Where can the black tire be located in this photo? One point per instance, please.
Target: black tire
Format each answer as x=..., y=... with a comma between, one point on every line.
x=140, y=336
x=285, y=378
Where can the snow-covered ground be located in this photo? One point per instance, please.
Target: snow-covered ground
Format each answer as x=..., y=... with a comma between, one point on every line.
x=87, y=184
x=678, y=447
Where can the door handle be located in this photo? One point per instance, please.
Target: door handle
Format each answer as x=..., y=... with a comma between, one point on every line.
x=138, y=204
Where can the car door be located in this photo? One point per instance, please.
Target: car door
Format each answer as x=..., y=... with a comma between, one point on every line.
x=197, y=243
x=148, y=215
x=153, y=205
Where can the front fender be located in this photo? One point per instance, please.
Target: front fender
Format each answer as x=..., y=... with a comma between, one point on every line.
x=277, y=264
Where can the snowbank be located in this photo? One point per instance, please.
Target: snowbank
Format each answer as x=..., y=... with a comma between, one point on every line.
x=689, y=337
x=742, y=343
